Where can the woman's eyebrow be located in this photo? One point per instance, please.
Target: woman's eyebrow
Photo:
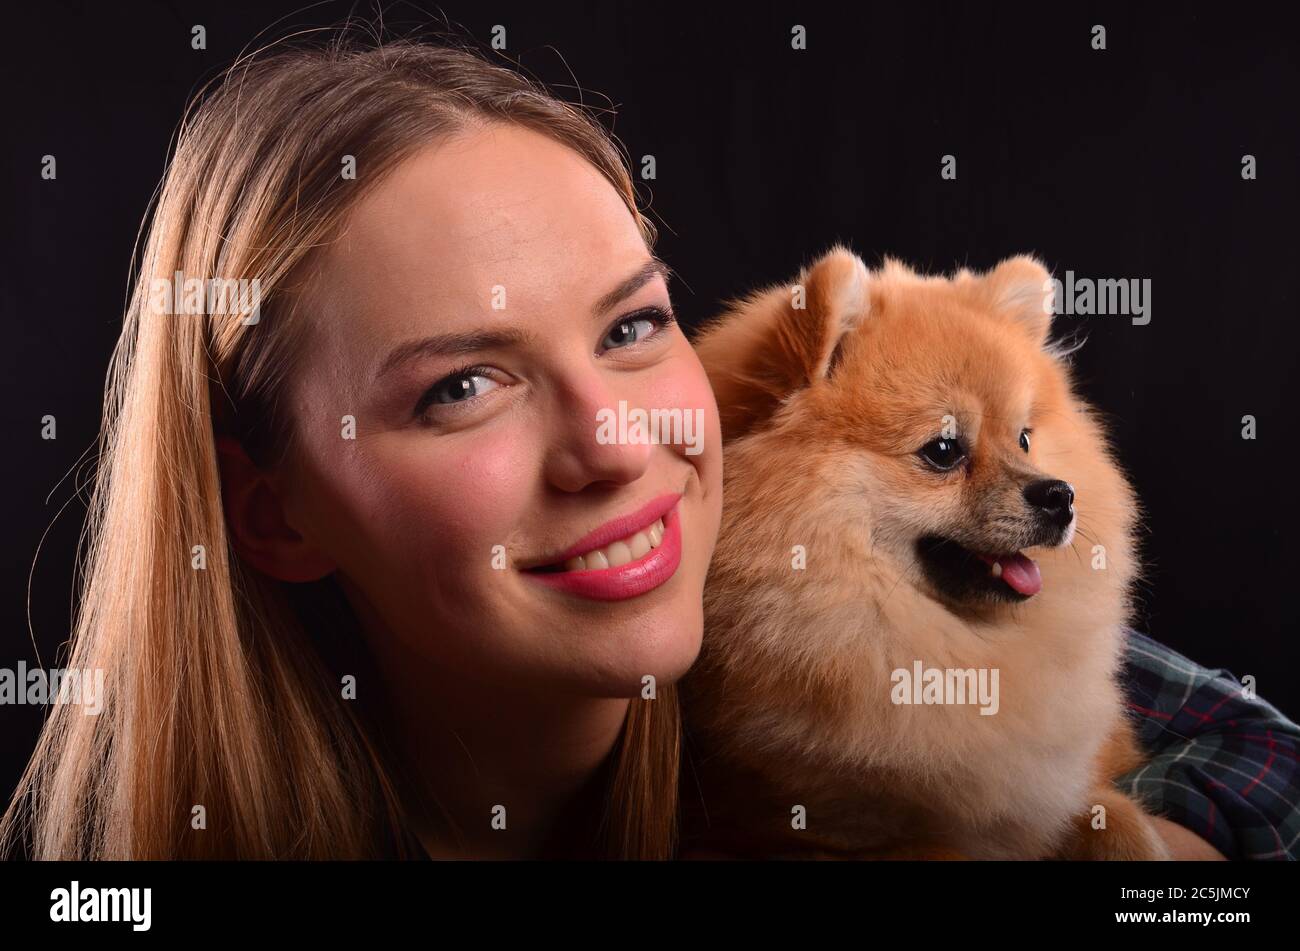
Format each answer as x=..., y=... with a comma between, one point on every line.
x=471, y=341
x=452, y=344
x=644, y=275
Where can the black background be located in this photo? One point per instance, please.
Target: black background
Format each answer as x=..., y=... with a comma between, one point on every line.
x=1122, y=163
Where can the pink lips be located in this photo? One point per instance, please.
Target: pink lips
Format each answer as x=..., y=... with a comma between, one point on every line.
x=636, y=577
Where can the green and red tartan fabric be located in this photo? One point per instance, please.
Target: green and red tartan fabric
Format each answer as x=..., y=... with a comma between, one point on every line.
x=1223, y=764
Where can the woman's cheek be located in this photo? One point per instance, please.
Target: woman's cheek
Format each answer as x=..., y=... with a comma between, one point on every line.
x=682, y=383
x=457, y=500
x=690, y=387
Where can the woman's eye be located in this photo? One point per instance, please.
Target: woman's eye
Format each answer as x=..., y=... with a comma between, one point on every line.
x=1024, y=439
x=942, y=453
x=636, y=327
x=457, y=388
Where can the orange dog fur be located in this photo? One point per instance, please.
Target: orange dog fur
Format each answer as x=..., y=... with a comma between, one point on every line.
x=824, y=408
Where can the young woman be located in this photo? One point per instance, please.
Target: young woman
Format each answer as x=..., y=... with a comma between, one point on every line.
x=333, y=578
x=364, y=576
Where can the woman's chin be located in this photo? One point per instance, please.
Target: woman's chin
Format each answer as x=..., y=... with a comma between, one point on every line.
x=632, y=656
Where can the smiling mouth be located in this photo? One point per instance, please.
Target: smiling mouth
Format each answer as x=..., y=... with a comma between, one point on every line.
x=963, y=574
x=621, y=568
x=614, y=555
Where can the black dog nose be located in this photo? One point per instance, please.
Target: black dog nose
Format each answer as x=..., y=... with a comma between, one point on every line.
x=1053, y=498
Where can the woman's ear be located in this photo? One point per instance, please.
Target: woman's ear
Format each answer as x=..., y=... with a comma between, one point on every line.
x=782, y=338
x=255, y=519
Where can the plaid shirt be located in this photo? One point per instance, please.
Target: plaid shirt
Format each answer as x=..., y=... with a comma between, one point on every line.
x=1225, y=766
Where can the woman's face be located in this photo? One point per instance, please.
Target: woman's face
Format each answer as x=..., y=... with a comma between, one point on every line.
x=488, y=306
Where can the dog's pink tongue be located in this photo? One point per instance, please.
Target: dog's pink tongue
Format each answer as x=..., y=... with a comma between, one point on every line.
x=1021, y=573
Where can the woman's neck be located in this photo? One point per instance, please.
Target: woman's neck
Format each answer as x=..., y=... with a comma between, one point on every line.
x=564, y=826
x=496, y=773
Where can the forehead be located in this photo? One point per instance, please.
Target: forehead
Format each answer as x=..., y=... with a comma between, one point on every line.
x=495, y=209
x=937, y=351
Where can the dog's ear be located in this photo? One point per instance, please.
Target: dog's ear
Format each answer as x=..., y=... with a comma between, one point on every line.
x=782, y=338
x=1021, y=289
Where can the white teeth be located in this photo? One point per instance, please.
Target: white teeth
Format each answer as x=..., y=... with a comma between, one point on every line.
x=997, y=569
x=640, y=545
x=621, y=552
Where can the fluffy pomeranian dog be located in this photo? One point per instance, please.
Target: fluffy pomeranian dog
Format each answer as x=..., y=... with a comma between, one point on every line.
x=914, y=613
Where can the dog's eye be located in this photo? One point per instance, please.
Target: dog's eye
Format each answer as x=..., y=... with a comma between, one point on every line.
x=942, y=453
x=1024, y=439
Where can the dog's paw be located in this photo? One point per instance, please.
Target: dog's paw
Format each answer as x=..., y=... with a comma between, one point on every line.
x=1114, y=829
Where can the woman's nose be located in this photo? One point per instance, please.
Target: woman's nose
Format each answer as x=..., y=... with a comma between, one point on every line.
x=588, y=445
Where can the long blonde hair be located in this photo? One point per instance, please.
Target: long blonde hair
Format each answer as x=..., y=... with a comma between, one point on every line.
x=217, y=691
